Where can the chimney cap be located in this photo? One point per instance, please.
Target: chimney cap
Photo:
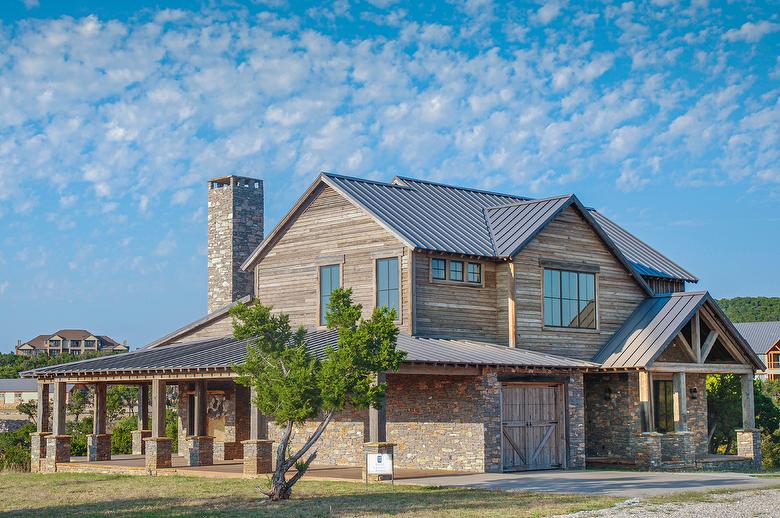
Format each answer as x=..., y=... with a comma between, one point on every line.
x=226, y=179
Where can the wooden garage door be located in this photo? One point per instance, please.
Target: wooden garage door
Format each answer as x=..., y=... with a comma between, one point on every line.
x=532, y=426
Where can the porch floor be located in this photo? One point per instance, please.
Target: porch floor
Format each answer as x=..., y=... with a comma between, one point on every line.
x=135, y=464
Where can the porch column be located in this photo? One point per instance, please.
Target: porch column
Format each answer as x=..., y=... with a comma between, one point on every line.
x=645, y=401
x=143, y=421
x=377, y=433
x=158, y=446
x=680, y=402
x=58, y=443
x=99, y=443
x=749, y=438
x=200, y=446
x=258, y=450
x=38, y=438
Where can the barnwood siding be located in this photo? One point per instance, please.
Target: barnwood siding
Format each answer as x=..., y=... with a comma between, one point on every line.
x=216, y=329
x=330, y=227
x=456, y=311
x=569, y=238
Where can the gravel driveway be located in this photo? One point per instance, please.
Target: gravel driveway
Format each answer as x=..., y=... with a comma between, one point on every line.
x=763, y=503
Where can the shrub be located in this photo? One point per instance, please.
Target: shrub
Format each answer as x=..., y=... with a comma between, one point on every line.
x=15, y=449
x=122, y=435
x=770, y=450
x=172, y=429
x=78, y=432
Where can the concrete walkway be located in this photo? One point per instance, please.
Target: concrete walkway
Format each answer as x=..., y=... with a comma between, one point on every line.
x=617, y=483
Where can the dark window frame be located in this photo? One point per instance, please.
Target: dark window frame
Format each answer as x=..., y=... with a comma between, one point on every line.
x=478, y=273
x=663, y=405
x=388, y=291
x=442, y=270
x=325, y=299
x=557, y=309
x=450, y=271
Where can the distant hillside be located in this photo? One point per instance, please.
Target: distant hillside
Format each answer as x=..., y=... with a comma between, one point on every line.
x=752, y=309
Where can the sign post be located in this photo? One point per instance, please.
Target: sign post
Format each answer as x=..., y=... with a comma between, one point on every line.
x=380, y=464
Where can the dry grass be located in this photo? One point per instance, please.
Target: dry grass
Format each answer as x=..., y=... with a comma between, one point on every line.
x=68, y=494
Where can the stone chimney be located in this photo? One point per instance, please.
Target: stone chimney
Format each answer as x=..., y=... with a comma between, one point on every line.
x=235, y=227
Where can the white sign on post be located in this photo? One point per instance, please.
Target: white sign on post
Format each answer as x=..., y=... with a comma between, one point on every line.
x=379, y=464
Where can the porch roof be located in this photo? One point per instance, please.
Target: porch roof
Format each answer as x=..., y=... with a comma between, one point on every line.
x=222, y=353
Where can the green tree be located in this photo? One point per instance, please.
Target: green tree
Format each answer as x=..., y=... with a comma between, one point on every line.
x=751, y=309
x=28, y=408
x=78, y=401
x=121, y=400
x=294, y=386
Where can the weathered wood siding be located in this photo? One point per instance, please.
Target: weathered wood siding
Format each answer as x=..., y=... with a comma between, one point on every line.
x=329, y=229
x=569, y=238
x=456, y=311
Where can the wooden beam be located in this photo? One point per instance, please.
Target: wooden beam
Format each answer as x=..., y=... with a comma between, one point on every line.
x=377, y=418
x=42, y=418
x=680, y=402
x=200, y=416
x=258, y=423
x=158, y=408
x=646, y=401
x=748, y=405
x=438, y=370
x=143, y=407
x=707, y=346
x=701, y=368
x=687, y=347
x=696, y=336
x=511, y=305
x=60, y=392
x=99, y=409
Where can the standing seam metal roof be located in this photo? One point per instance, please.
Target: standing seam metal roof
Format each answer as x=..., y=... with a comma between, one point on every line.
x=225, y=352
x=761, y=336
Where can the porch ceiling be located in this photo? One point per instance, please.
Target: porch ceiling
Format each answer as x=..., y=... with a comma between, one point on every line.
x=221, y=353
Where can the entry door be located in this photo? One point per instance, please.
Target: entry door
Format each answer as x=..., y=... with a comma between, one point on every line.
x=532, y=426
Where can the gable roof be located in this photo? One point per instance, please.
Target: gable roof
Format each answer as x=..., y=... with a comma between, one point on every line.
x=444, y=218
x=39, y=342
x=222, y=353
x=654, y=325
x=761, y=336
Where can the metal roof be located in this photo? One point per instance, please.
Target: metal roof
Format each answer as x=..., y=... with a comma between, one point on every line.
x=445, y=218
x=761, y=336
x=513, y=226
x=221, y=353
x=647, y=259
x=21, y=385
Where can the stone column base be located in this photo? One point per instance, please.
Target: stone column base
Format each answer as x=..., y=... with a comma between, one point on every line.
x=374, y=448
x=139, y=446
x=99, y=447
x=38, y=450
x=648, y=451
x=258, y=456
x=200, y=450
x=57, y=450
x=749, y=445
x=228, y=450
x=158, y=453
x=678, y=448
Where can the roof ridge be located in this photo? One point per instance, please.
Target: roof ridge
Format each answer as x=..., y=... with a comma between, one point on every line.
x=529, y=201
x=459, y=187
x=364, y=180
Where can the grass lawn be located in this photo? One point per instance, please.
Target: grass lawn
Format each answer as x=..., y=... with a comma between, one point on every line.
x=116, y=495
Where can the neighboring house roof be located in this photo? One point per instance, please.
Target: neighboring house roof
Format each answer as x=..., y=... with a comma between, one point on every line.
x=39, y=342
x=222, y=353
x=18, y=385
x=73, y=334
x=201, y=322
x=761, y=336
x=444, y=218
x=654, y=325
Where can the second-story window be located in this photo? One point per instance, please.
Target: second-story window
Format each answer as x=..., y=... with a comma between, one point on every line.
x=330, y=279
x=456, y=271
x=569, y=299
x=387, y=284
x=474, y=273
x=439, y=269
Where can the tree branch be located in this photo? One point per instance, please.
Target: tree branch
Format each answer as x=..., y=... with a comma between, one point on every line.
x=299, y=473
x=316, y=435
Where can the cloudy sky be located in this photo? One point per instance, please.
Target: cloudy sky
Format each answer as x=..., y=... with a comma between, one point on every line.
x=664, y=115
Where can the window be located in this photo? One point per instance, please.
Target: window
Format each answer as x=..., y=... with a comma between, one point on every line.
x=439, y=269
x=75, y=343
x=569, y=299
x=330, y=279
x=663, y=394
x=474, y=273
x=773, y=360
x=456, y=271
x=387, y=284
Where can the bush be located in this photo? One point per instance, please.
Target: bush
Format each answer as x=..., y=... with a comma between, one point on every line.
x=172, y=429
x=770, y=450
x=15, y=449
x=78, y=436
x=122, y=435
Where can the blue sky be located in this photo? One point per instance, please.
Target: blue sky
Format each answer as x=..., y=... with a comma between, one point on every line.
x=664, y=115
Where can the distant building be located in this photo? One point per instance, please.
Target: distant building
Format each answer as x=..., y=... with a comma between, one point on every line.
x=764, y=338
x=73, y=341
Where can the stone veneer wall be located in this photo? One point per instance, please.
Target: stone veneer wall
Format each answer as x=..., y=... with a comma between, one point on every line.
x=697, y=413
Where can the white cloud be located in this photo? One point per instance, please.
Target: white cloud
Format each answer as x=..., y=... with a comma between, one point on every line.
x=3, y=286
x=548, y=12
x=68, y=201
x=751, y=32
x=166, y=246
x=31, y=4
x=181, y=197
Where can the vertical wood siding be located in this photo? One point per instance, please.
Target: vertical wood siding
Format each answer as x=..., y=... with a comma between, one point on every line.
x=330, y=227
x=569, y=238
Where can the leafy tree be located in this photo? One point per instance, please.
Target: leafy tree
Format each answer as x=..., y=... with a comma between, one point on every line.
x=78, y=401
x=294, y=386
x=751, y=309
x=122, y=436
x=12, y=364
x=28, y=408
x=120, y=400
x=15, y=449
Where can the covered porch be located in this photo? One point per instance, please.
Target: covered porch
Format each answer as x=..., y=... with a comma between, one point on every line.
x=652, y=387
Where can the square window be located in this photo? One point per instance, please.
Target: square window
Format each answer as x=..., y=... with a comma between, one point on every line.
x=569, y=299
x=456, y=271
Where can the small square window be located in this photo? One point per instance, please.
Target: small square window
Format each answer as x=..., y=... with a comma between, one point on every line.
x=438, y=269
x=475, y=273
x=456, y=271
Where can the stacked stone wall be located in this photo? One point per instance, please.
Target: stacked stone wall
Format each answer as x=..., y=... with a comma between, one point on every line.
x=612, y=415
